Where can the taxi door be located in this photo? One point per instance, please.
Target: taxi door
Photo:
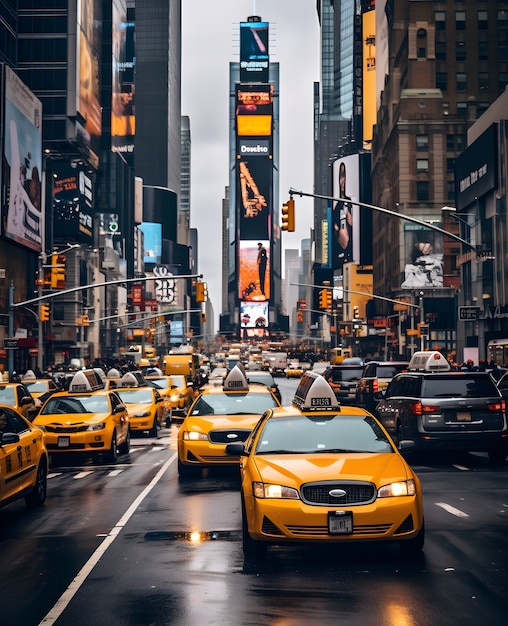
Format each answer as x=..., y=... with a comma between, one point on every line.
x=120, y=418
x=18, y=460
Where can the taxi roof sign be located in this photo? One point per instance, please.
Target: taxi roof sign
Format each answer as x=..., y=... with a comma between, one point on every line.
x=428, y=361
x=129, y=380
x=315, y=394
x=236, y=380
x=86, y=380
x=113, y=373
x=29, y=375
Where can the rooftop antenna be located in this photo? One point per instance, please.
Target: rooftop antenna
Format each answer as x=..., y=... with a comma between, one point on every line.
x=254, y=7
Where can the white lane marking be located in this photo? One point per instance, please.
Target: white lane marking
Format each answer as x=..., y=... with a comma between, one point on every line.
x=452, y=509
x=83, y=574
x=115, y=472
x=461, y=467
x=54, y=474
x=82, y=475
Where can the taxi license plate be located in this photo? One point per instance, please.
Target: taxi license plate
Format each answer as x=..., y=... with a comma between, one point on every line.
x=340, y=522
x=64, y=442
x=463, y=416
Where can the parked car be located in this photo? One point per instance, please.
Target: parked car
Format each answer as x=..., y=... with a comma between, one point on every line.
x=375, y=377
x=439, y=409
x=343, y=380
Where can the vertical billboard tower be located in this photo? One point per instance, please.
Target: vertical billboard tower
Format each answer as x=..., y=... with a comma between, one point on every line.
x=254, y=180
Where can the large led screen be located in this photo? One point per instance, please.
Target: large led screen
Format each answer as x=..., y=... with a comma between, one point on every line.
x=254, y=55
x=254, y=183
x=22, y=164
x=123, y=120
x=254, y=271
x=152, y=242
x=72, y=219
x=369, y=76
x=254, y=110
x=424, y=257
x=345, y=214
x=253, y=319
x=90, y=41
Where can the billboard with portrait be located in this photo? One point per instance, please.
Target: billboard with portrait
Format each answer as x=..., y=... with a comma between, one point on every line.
x=345, y=220
x=253, y=319
x=89, y=47
x=123, y=121
x=254, y=271
x=254, y=54
x=22, y=164
x=424, y=257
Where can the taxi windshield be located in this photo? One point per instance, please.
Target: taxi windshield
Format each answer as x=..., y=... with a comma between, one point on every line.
x=178, y=381
x=65, y=405
x=135, y=396
x=162, y=383
x=233, y=404
x=39, y=385
x=322, y=434
x=7, y=395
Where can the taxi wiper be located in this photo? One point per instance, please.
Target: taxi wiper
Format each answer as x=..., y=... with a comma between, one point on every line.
x=282, y=451
x=332, y=450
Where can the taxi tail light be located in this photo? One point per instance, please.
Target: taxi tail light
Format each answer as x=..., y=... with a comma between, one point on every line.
x=418, y=408
x=497, y=406
x=375, y=386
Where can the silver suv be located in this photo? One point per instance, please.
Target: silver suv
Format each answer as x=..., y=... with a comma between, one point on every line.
x=445, y=410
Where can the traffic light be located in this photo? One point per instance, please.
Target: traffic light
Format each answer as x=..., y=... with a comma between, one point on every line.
x=201, y=292
x=57, y=271
x=288, y=216
x=356, y=312
x=203, y=318
x=44, y=312
x=85, y=320
x=322, y=298
x=299, y=317
x=329, y=299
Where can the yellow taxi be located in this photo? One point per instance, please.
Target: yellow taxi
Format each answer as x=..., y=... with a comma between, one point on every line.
x=147, y=408
x=38, y=386
x=293, y=370
x=23, y=459
x=317, y=471
x=86, y=419
x=179, y=390
x=220, y=415
x=17, y=396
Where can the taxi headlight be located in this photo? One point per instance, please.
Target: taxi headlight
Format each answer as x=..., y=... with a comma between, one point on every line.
x=402, y=488
x=194, y=436
x=99, y=426
x=266, y=490
x=143, y=414
x=175, y=397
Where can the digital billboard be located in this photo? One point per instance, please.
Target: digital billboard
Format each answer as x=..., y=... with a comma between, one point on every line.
x=254, y=110
x=254, y=271
x=72, y=195
x=369, y=76
x=254, y=184
x=254, y=55
x=152, y=252
x=89, y=46
x=253, y=319
x=424, y=257
x=123, y=120
x=345, y=220
x=22, y=164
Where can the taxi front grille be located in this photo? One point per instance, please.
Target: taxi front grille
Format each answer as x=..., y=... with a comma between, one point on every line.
x=322, y=531
x=322, y=493
x=59, y=428
x=228, y=436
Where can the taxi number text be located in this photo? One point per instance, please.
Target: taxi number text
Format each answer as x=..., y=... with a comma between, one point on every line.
x=340, y=522
x=321, y=402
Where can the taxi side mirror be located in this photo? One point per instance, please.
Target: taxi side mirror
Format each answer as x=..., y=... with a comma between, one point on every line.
x=25, y=400
x=6, y=438
x=120, y=408
x=235, y=449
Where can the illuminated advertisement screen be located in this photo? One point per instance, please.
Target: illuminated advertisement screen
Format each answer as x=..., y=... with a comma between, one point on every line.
x=254, y=184
x=254, y=314
x=369, y=74
x=254, y=56
x=424, y=257
x=22, y=164
x=254, y=274
x=153, y=242
x=123, y=121
x=176, y=332
x=345, y=215
x=254, y=110
x=89, y=46
x=72, y=219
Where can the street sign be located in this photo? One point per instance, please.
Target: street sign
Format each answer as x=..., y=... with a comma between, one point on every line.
x=10, y=344
x=468, y=313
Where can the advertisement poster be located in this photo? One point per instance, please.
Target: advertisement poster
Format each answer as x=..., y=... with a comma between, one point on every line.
x=254, y=275
x=254, y=58
x=345, y=214
x=90, y=40
x=424, y=257
x=22, y=164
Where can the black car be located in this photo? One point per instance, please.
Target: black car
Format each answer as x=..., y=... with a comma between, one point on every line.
x=445, y=410
x=375, y=377
x=343, y=380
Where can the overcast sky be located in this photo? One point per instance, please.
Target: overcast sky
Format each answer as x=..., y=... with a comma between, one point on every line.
x=210, y=41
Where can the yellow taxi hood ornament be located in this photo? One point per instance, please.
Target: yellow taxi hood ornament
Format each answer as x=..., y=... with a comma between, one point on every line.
x=315, y=394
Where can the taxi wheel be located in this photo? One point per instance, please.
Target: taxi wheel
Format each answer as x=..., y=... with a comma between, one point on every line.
x=412, y=547
x=126, y=445
x=112, y=454
x=37, y=496
x=252, y=549
x=186, y=471
x=153, y=430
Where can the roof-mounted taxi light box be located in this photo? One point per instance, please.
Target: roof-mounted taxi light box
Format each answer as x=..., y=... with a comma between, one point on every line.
x=113, y=373
x=428, y=361
x=86, y=380
x=236, y=380
x=315, y=394
x=29, y=375
x=129, y=380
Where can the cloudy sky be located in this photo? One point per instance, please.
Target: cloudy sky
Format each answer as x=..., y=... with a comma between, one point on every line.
x=210, y=41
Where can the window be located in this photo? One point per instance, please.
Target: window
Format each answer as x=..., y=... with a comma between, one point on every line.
x=450, y=164
x=441, y=50
x=442, y=81
x=483, y=81
x=422, y=191
x=483, y=21
x=461, y=81
x=440, y=20
x=502, y=79
x=502, y=51
x=422, y=142
x=450, y=190
x=422, y=43
x=461, y=108
x=460, y=51
x=483, y=50
x=460, y=20
x=422, y=165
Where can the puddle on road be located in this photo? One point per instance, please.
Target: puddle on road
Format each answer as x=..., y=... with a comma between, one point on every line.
x=195, y=536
